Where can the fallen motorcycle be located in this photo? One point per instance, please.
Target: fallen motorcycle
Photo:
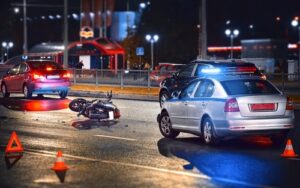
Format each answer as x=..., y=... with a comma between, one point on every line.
x=100, y=109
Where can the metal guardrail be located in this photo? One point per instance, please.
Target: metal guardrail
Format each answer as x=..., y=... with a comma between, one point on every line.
x=289, y=83
x=123, y=78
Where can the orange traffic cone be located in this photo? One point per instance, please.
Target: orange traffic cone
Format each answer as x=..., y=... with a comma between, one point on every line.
x=59, y=164
x=289, y=151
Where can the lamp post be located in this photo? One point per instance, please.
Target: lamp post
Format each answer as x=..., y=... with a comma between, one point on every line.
x=6, y=45
x=231, y=34
x=295, y=23
x=152, y=39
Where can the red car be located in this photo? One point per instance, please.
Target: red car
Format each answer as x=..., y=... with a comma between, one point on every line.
x=36, y=77
x=163, y=71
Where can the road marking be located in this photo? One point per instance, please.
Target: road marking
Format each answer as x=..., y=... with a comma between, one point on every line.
x=116, y=137
x=184, y=173
x=295, y=159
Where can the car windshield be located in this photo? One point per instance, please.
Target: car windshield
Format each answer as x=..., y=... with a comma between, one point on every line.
x=248, y=86
x=44, y=65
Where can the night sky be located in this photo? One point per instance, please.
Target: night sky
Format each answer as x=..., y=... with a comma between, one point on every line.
x=174, y=20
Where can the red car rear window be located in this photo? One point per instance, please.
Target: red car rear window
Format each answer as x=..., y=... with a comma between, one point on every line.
x=40, y=65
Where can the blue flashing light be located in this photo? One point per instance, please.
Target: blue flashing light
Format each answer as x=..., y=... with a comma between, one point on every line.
x=211, y=71
x=24, y=57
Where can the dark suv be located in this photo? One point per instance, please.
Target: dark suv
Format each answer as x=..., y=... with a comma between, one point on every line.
x=194, y=70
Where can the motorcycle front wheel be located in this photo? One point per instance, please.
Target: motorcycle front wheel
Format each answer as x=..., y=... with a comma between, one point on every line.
x=76, y=105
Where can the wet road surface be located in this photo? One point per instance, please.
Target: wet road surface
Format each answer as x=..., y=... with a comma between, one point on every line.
x=131, y=152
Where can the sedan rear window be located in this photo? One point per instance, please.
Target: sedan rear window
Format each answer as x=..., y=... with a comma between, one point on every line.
x=246, y=87
x=44, y=65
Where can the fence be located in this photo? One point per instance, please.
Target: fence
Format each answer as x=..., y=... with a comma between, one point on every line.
x=289, y=83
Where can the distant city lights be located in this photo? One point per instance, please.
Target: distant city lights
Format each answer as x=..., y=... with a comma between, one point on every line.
x=16, y=10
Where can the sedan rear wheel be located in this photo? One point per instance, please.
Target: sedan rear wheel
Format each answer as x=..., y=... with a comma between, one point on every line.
x=26, y=91
x=165, y=126
x=4, y=91
x=208, y=132
x=63, y=94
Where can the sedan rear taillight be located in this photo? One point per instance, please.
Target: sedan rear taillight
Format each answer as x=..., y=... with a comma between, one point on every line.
x=66, y=75
x=289, y=104
x=38, y=76
x=231, y=106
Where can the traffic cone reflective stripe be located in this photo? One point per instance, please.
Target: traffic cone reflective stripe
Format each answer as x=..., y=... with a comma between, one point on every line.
x=59, y=164
x=289, y=151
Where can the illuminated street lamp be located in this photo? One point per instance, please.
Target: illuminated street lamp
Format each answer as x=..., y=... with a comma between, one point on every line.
x=6, y=45
x=152, y=39
x=295, y=23
x=231, y=34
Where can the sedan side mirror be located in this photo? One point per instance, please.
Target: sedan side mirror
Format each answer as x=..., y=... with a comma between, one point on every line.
x=175, y=94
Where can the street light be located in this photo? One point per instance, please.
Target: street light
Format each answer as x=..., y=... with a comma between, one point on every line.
x=295, y=23
x=6, y=45
x=231, y=34
x=152, y=39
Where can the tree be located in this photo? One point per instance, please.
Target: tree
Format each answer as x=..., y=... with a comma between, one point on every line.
x=130, y=44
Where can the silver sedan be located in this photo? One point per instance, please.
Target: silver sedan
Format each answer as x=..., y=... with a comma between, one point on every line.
x=228, y=106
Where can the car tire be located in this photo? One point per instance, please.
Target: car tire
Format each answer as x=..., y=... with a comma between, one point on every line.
x=63, y=94
x=27, y=92
x=165, y=126
x=208, y=133
x=40, y=95
x=4, y=91
x=163, y=96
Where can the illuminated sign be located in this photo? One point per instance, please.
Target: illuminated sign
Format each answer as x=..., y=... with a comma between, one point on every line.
x=86, y=32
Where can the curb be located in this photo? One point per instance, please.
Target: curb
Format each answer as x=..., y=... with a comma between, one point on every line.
x=115, y=95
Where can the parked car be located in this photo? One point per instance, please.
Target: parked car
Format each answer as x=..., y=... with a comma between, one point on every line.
x=36, y=77
x=4, y=67
x=228, y=106
x=193, y=70
x=164, y=70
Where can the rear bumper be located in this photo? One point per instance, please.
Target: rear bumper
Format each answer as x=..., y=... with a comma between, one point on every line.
x=253, y=126
x=43, y=88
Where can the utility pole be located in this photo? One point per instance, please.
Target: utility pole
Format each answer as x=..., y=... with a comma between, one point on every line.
x=202, y=46
x=105, y=19
x=25, y=45
x=65, y=34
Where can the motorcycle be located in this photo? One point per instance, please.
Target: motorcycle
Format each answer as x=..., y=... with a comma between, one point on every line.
x=102, y=110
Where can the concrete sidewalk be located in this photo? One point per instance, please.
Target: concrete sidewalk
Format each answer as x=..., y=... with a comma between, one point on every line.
x=134, y=93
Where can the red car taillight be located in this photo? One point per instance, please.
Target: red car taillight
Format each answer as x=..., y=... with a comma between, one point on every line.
x=66, y=75
x=289, y=104
x=38, y=76
x=231, y=106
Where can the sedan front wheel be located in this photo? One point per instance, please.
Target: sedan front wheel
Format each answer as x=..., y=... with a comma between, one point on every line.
x=165, y=126
x=4, y=91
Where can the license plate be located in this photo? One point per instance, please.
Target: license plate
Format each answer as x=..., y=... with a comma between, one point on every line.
x=263, y=107
x=53, y=77
x=111, y=115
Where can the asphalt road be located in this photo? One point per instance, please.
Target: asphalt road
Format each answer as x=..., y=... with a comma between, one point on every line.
x=131, y=152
